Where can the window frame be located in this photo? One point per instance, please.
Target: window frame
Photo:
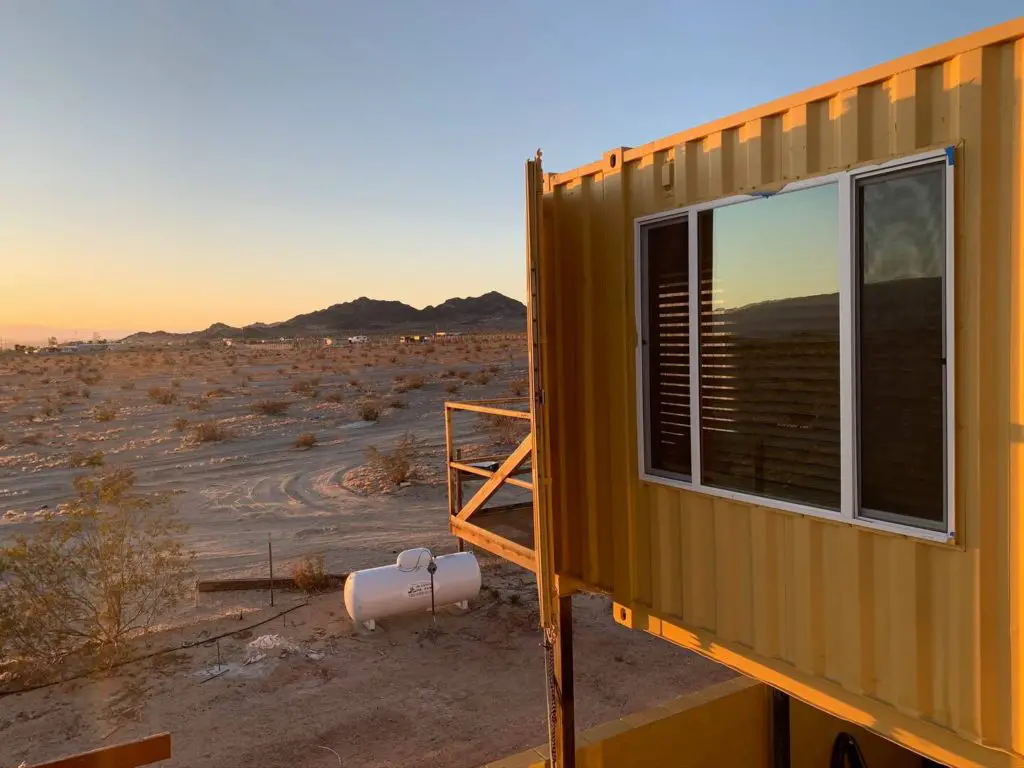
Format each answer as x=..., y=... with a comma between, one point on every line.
x=846, y=264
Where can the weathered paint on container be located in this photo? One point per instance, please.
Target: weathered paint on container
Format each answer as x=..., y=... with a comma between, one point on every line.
x=922, y=642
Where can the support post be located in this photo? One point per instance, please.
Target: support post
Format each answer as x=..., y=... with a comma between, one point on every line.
x=458, y=496
x=561, y=696
x=780, y=739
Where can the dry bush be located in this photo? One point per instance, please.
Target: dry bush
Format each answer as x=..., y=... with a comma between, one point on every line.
x=270, y=407
x=305, y=440
x=314, y=381
x=309, y=574
x=68, y=392
x=398, y=464
x=429, y=349
x=493, y=368
x=415, y=382
x=127, y=385
x=462, y=374
x=218, y=392
x=369, y=410
x=396, y=402
x=449, y=373
x=45, y=380
x=482, y=378
x=180, y=424
x=90, y=379
x=519, y=387
x=176, y=383
x=196, y=404
x=93, y=577
x=334, y=397
x=31, y=439
x=162, y=396
x=86, y=393
x=503, y=429
x=80, y=459
x=104, y=413
x=210, y=432
x=452, y=387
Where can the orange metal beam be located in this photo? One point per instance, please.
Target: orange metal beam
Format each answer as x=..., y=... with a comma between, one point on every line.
x=151, y=749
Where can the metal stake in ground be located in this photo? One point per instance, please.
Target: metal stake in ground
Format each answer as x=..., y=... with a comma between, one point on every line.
x=270, y=557
x=432, y=569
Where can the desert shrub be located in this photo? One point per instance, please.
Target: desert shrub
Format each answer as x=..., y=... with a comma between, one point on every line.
x=80, y=459
x=415, y=382
x=309, y=574
x=493, y=368
x=398, y=464
x=314, y=381
x=449, y=373
x=393, y=359
x=91, y=379
x=196, y=404
x=33, y=438
x=86, y=393
x=127, y=385
x=176, y=383
x=369, y=410
x=67, y=392
x=93, y=576
x=180, y=424
x=355, y=383
x=334, y=397
x=452, y=387
x=429, y=349
x=396, y=402
x=462, y=374
x=270, y=407
x=519, y=387
x=103, y=413
x=218, y=392
x=305, y=440
x=478, y=348
x=210, y=432
x=162, y=396
x=482, y=377
x=45, y=380
x=503, y=429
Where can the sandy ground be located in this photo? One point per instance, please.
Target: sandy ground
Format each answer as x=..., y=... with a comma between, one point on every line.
x=468, y=690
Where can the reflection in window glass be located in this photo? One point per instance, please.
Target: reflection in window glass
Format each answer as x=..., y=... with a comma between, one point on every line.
x=769, y=347
x=901, y=258
x=667, y=348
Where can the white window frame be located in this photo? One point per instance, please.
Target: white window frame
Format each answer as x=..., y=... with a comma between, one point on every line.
x=846, y=260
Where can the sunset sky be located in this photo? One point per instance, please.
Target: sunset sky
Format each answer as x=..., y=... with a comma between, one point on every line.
x=169, y=164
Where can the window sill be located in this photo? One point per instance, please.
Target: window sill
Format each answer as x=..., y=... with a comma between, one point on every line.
x=793, y=508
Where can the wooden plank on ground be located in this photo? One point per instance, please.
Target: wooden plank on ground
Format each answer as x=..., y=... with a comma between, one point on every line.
x=151, y=749
x=241, y=585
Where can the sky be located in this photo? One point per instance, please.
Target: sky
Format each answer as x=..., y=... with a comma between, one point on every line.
x=167, y=164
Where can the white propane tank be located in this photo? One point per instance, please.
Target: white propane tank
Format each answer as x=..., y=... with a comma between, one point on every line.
x=377, y=593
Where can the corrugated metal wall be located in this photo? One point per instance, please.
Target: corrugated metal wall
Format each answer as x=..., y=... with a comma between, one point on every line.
x=925, y=628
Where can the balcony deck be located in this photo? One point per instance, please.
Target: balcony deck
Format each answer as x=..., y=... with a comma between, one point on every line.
x=505, y=530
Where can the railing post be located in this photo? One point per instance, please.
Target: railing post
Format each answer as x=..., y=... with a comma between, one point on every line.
x=458, y=496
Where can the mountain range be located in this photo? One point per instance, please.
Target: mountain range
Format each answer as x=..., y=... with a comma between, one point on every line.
x=491, y=312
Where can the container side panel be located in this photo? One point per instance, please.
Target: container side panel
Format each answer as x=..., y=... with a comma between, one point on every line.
x=932, y=631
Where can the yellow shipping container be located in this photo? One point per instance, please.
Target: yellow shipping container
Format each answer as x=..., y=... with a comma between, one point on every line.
x=913, y=631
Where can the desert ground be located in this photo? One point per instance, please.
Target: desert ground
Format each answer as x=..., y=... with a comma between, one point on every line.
x=270, y=442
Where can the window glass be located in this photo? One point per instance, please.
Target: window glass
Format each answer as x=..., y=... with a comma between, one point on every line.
x=901, y=404
x=769, y=347
x=667, y=348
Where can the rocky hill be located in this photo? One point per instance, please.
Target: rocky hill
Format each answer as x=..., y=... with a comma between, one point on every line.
x=491, y=312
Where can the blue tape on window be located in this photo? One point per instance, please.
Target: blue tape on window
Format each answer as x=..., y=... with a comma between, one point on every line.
x=762, y=194
x=951, y=155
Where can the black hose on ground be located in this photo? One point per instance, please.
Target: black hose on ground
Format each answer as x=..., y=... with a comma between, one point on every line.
x=125, y=662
